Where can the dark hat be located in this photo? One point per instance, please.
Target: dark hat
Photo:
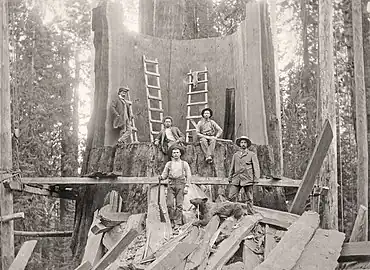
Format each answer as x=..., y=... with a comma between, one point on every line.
x=241, y=138
x=175, y=146
x=168, y=117
x=206, y=109
x=123, y=89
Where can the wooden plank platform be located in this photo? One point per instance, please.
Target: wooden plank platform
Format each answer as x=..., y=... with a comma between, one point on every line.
x=283, y=182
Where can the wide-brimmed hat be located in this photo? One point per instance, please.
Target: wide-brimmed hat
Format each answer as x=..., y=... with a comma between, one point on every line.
x=175, y=146
x=123, y=89
x=245, y=138
x=206, y=109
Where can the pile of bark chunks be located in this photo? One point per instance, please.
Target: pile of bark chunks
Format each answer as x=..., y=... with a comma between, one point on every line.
x=268, y=239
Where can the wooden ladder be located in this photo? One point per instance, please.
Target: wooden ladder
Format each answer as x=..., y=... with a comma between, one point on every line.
x=153, y=94
x=134, y=129
x=200, y=88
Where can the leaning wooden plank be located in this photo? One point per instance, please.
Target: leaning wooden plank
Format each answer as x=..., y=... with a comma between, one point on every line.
x=275, y=222
x=359, y=230
x=322, y=252
x=230, y=245
x=93, y=248
x=271, y=214
x=86, y=265
x=353, y=251
x=24, y=254
x=202, y=251
x=287, y=252
x=157, y=232
x=172, y=258
x=111, y=237
x=250, y=259
x=10, y=217
x=312, y=170
x=270, y=242
x=113, y=254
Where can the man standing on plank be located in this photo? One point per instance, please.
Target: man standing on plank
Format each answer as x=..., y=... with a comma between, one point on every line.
x=244, y=170
x=208, y=131
x=179, y=175
x=169, y=135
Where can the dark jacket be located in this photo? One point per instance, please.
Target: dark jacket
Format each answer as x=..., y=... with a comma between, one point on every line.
x=177, y=134
x=121, y=113
x=244, y=169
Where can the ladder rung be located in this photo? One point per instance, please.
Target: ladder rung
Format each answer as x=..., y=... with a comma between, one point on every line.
x=150, y=61
x=200, y=71
x=198, y=92
x=203, y=81
x=152, y=73
x=188, y=130
x=155, y=132
x=193, y=117
x=156, y=109
x=197, y=103
x=153, y=86
x=155, y=121
x=154, y=97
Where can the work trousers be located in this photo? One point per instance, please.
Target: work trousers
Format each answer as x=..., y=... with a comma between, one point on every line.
x=234, y=193
x=175, y=192
x=208, y=146
x=125, y=134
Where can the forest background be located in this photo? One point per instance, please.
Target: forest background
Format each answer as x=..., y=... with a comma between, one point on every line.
x=51, y=66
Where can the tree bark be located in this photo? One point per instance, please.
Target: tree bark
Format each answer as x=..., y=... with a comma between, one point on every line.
x=6, y=196
x=326, y=110
x=366, y=48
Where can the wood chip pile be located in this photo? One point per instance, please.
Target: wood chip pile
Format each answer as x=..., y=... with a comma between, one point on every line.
x=269, y=239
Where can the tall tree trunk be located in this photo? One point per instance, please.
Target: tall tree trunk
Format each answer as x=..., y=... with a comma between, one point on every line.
x=366, y=48
x=6, y=196
x=326, y=110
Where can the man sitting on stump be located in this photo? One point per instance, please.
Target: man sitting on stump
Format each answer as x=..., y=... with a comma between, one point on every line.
x=208, y=131
x=244, y=170
x=169, y=135
x=179, y=175
x=121, y=115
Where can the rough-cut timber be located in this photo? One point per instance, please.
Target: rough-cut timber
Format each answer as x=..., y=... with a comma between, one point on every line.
x=359, y=231
x=86, y=265
x=250, y=259
x=287, y=252
x=12, y=217
x=314, y=165
x=322, y=252
x=43, y=234
x=157, y=232
x=270, y=242
x=6, y=197
x=271, y=215
x=326, y=110
x=361, y=116
x=201, y=252
x=24, y=254
x=229, y=246
x=93, y=249
x=118, y=248
x=354, y=251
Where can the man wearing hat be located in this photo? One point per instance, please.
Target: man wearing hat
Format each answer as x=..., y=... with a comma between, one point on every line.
x=244, y=170
x=121, y=115
x=208, y=131
x=169, y=135
x=179, y=175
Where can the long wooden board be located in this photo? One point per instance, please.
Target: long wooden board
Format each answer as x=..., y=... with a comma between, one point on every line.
x=230, y=245
x=312, y=170
x=93, y=248
x=24, y=254
x=287, y=252
x=271, y=215
x=322, y=252
x=353, y=251
x=283, y=182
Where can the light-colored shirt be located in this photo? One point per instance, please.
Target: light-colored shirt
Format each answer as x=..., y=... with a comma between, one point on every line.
x=169, y=134
x=179, y=169
x=208, y=127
